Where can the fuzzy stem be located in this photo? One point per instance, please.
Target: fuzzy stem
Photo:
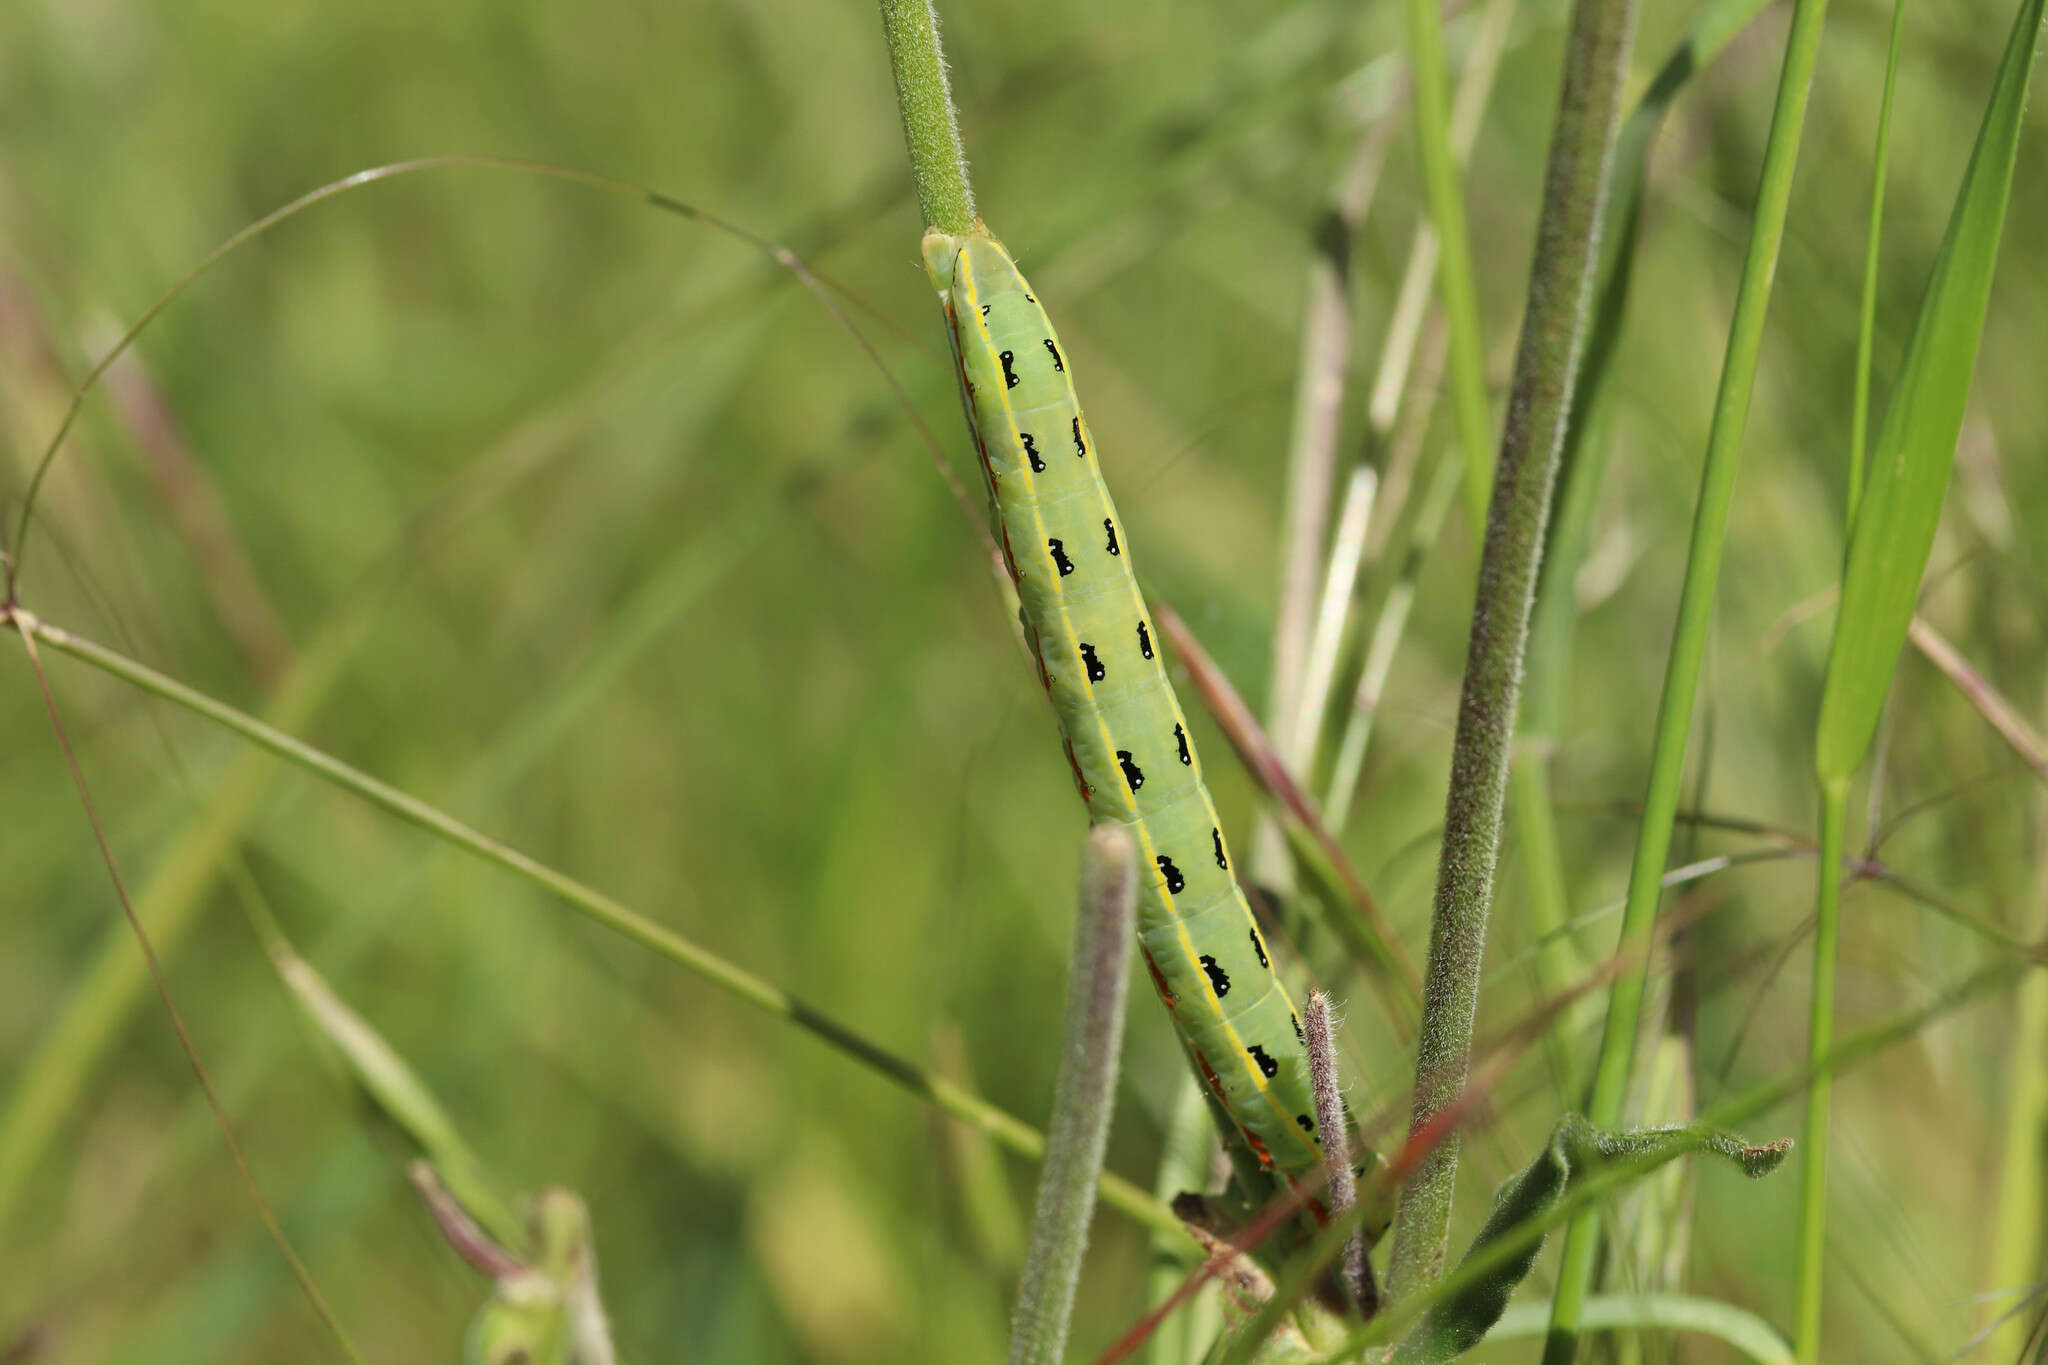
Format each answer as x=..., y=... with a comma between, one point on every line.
x=1560, y=289
x=930, y=127
x=1689, y=640
x=1318, y=1032
x=1083, y=1100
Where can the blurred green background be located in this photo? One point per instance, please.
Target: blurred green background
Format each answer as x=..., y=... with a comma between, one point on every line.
x=653, y=579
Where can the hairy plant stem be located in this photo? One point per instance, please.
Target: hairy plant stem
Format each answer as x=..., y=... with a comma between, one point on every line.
x=1560, y=289
x=1689, y=641
x=1083, y=1100
x=937, y=162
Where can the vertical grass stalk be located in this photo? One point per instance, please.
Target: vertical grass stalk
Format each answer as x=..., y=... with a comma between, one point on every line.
x=1813, y=1175
x=1546, y=363
x=2016, y=1226
x=1689, y=640
x=1454, y=264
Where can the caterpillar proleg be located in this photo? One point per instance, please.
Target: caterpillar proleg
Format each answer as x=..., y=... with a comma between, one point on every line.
x=1126, y=736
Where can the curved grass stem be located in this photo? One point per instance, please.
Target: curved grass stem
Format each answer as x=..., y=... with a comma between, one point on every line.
x=614, y=914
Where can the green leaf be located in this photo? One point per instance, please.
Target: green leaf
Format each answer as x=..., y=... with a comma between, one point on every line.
x=1738, y=1327
x=404, y=1098
x=1909, y=466
x=1575, y=1149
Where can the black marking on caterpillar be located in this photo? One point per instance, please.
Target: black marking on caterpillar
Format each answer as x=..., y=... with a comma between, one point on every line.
x=1175, y=883
x=1144, y=640
x=1259, y=947
x=1267, y=1066
x=1009, y=358
x=1096, y=672
x=1180, y=737
x=1300, y=1037
x=1080, y=446
x=1219, y=980
x=1216, y=836
x=1132, y=773
x=1056, y=363
x=1059, y=556
x=1031, y=452
x=1109, y=525
x=984, y=310
x=1308, y=1125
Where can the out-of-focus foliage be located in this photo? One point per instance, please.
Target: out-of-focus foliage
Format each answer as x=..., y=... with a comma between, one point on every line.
x=693, y=617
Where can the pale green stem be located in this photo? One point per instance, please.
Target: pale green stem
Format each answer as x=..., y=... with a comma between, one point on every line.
x=1546, y=364
x=1689, y=640
x=1813, y=1175
x=2018, y=1191
x=1454, y=264
x=930, y=127
x=1385, y=642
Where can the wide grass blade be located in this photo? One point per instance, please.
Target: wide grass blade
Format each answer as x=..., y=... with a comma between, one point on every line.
x=1889, y=542
x=1916, y=446
x=1735, y=1327
x=403, y=1097
x=1866, y=325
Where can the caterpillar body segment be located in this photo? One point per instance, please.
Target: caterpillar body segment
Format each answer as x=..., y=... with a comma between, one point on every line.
x=1126, y=735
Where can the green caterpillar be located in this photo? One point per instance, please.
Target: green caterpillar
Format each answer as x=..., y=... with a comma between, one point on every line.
x=1126, y=736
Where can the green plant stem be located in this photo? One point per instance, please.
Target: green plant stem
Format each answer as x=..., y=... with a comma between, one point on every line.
x=930, y=127
x=1439, y=160
x=1813, y=1175
x=1083, y=1099
x=2016, y=1231
x=614, y=914
x=2018, y=1191
x=1689, y=639
x=1560, y=287
x=1866, y=330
